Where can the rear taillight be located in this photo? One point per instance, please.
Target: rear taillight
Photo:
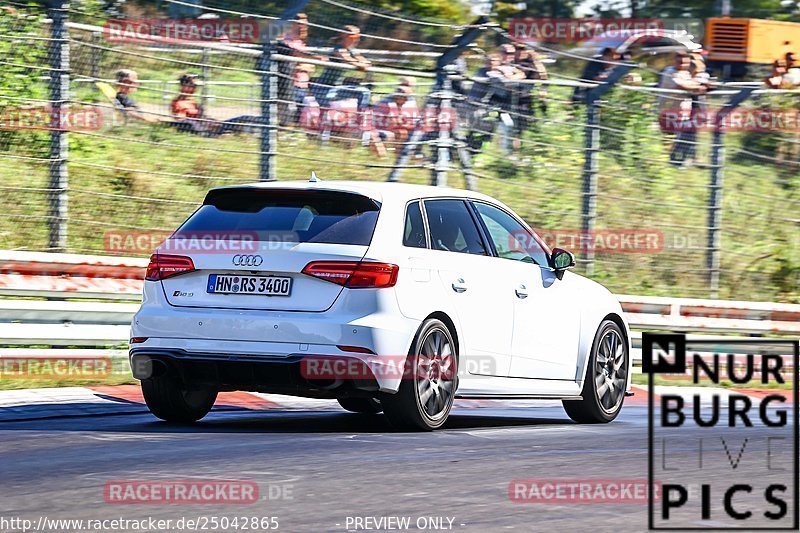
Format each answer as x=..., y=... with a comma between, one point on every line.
x=354, y=274
x=165, y=266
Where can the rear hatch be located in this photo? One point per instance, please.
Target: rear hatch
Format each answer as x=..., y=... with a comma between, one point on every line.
x=248, y=247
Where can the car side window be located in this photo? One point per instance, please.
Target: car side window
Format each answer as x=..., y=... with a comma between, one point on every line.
x=453, y=228
x=510, y=238
x=414, y=230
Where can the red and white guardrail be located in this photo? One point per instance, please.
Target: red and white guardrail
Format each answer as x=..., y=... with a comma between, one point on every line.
x=65, y=283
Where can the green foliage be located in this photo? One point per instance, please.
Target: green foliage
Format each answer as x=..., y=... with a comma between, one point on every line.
x=780, y=149
x=772, y=9
x=536, y=8
x=454, y=10
x=19, y=82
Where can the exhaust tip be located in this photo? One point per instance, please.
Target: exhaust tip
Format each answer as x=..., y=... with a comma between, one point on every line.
x=145, y=367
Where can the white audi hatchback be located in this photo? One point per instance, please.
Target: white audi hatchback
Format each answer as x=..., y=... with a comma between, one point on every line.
x=383, y=296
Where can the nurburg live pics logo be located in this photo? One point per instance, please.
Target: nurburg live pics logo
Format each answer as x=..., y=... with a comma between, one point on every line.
x=724, y=458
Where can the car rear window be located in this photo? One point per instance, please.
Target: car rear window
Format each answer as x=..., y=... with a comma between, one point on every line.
x=287, y=215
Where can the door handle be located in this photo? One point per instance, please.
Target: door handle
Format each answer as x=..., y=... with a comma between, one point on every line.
x=459, y=285
x=521, y=291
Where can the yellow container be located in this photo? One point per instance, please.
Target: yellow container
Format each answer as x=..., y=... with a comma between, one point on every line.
x=739, y=40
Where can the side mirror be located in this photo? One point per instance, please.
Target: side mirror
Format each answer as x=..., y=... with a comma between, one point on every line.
x=561, y=260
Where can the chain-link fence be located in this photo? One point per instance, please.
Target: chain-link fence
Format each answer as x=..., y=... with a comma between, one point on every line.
x=153, y=111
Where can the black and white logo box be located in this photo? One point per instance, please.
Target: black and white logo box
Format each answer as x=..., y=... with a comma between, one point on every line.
x=722, y=433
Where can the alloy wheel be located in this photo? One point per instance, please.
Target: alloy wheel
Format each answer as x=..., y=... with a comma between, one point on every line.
x=611, y=371
x=435, y=374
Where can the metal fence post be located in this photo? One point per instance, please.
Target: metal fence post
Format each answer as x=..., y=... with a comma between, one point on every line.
x=96, y=41
x=444, y=116
x=205, y=73
x=715, y=211
x=714, y=247
x=458, y=45
x=269, y=110
x=269, y=93
x=591, y=154
x=59, y=147
x=590, y=168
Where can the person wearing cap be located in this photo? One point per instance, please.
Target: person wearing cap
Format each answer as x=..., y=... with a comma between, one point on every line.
x=184, y=105
x=395, y=115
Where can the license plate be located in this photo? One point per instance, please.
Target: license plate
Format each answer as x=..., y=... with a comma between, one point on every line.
x=261, y=285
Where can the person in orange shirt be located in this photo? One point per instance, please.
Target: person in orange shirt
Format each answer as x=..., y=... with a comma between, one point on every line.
x=184, y=105
x=190, y=117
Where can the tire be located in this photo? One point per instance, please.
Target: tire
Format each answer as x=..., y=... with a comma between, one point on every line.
x=167, y=400
x=604, y=385
x=425, y=396
x=365, y=406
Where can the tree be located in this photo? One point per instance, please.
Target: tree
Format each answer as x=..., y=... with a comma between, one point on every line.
x=536, y=8
x=773, y=9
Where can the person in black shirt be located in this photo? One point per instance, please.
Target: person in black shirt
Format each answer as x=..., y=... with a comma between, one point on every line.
x=595, y=70
x=127, y=82
x=334, y=83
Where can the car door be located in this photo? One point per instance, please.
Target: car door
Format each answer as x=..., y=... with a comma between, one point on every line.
x=546, y=323
x=469, y=276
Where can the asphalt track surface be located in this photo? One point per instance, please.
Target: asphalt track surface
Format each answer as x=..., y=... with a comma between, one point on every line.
x=339, y=465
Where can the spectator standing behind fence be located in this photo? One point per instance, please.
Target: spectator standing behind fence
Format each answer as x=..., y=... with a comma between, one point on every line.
x=333, y=84
x=514, y=98
x=777, y=77
x=493, y=88
x=674, y=77
x=792, y=70
x=294, y=78
x=479, y=101
x=695, y=80
x=531, y=64
x=596, y=69
x=482, y=88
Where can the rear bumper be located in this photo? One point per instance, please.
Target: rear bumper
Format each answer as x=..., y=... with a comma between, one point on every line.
x=230, y=338
x=252, y=372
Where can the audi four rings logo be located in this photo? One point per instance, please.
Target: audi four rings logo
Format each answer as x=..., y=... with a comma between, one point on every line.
x=247, y=260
